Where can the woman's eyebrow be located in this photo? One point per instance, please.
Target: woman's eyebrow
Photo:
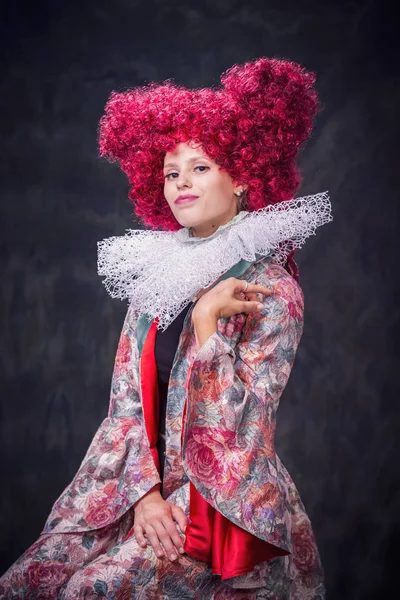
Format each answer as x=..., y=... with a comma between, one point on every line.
x=191, y=160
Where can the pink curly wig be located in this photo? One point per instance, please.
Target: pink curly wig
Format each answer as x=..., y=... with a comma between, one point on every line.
x=252, y=127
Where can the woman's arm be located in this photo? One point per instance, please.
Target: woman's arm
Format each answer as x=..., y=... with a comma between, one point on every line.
x=224, y=300
x=204, y=327
x=118, y=468
x=233, y=392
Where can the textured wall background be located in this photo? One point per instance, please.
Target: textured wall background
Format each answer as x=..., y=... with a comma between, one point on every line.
x=59, y=328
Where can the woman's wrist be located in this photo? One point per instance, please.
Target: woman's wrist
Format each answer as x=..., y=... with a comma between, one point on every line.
x=205, y=323
x=150, y=495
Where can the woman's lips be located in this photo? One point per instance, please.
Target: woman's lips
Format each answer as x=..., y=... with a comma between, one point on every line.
x=185, y=199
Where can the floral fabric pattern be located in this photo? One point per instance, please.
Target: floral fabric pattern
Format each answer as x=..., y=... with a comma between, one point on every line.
x=231, y=388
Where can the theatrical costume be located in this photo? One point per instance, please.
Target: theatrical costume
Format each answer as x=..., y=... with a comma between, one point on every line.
x=249, y=536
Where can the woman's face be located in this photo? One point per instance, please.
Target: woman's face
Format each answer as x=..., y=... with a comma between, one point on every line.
x=188, y=171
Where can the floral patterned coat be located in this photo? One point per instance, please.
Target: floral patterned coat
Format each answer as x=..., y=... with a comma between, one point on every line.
x=220, y=428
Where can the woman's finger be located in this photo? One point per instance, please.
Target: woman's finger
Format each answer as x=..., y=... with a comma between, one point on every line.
x=165, y=539
x=173, y=534
x=246, y=306
x=253, y=296
x=138, y=531
x=179, y=516
x=255, y=288
x=154, y=541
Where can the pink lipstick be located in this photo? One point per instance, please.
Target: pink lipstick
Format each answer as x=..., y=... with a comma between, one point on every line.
x=185, y=198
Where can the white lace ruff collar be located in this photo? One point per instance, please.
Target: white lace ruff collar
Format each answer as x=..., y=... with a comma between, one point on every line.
x=161, y=271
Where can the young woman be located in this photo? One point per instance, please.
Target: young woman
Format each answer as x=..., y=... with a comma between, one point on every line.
x=181, y=493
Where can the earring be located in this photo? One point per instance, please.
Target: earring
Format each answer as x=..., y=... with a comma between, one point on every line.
x=239, y=193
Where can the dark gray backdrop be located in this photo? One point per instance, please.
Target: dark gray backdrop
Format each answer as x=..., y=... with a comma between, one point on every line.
x=59, y=328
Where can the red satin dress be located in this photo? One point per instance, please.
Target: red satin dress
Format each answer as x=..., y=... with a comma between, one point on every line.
x=228, y=549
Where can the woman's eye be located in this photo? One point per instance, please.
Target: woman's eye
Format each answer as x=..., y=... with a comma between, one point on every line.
x=169, y=175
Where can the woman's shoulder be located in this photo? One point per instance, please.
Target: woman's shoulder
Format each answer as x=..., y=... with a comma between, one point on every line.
x=276, y=278
x=267, y=269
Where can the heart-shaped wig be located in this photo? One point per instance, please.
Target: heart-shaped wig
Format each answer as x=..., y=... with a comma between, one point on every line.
x=252, y=126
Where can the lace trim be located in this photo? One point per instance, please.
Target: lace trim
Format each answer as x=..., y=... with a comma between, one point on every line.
x=161, y=271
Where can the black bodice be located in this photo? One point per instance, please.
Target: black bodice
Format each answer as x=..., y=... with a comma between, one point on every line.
x=166, y=344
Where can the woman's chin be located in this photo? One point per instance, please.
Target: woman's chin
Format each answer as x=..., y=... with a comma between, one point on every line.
x=188, y=220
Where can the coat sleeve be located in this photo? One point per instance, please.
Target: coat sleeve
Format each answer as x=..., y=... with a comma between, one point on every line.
x=233, y=387
x=118, y=468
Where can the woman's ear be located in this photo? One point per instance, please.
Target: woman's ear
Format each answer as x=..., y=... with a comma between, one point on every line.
x=237, y=186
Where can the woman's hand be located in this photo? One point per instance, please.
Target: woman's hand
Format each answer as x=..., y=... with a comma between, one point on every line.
x=154, y=518
x=227, y=298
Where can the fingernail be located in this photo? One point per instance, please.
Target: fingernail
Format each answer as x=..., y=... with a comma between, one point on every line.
x=181, y=550
x=260, y=306
x=172, y=556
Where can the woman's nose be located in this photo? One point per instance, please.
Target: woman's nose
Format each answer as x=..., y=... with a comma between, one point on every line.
x=183, y=181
